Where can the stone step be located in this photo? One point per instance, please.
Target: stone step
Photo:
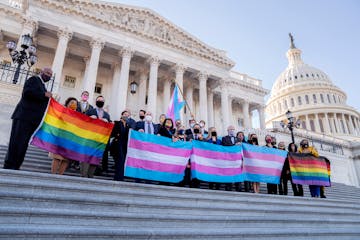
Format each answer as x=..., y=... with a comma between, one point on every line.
x=59, y=232
x=49, y=216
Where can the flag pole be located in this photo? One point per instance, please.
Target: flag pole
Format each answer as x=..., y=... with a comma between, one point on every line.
x=191, y=114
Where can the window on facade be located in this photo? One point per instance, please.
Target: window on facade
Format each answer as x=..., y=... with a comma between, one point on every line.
x=240, y=122
x=285, y=104
x=334, y=98
x=314, y=98
x=292, y=102
x=317, y=75
x=299, y=100
x=290, y=78
x=342, y=126
x=301, y=76
x=69, y=81
x=295, y=77
x=303, y=124
x=307, y=75
x=312, y=74
x=322, y=98
x=307, y=99
x=321, y=125
x=98, y=88
x=339, y=99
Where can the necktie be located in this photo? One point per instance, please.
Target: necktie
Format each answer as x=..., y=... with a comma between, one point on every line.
x=232, y=140
x=149, y=128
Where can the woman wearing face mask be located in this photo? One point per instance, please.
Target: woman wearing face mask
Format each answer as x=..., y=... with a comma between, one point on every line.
x=59, y=163
x=297, y=188
x=305, y=148
x=212, y=138
x=247, y=186
x=271, y=188
x=167, y=128
x=254, y=141
x=118, y=146
x=181, y=136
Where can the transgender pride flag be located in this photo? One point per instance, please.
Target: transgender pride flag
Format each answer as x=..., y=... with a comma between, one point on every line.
x=216, y=163
x=156, y=158
x=175, y=105
x=263, y=164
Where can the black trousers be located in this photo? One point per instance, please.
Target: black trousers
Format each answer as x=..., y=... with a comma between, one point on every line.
x=271, y=188
x=21, y=132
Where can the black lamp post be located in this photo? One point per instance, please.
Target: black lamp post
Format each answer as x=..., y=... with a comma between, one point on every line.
x=133, y=87
x=25, y=55
x=290, y=124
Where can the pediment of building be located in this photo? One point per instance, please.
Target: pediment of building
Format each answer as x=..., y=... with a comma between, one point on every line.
x=141, y=22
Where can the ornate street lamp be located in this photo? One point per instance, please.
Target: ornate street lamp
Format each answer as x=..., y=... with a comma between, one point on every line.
x=25, y=55
x=133, y=87
x=290, y=123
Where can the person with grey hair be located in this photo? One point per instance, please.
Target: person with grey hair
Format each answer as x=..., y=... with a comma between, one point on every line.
x=26, y=117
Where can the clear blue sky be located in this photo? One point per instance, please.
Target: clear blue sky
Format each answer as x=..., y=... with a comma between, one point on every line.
x=255, y=34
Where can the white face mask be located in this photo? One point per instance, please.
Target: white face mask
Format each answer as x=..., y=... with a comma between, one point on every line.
x=202, y=125
x=192, y=125
x=148, y=118
x=231, y=133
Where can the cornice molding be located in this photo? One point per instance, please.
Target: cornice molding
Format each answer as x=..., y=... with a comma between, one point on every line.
x=142, y=23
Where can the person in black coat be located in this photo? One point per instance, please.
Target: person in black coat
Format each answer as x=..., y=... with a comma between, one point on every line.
x=118, y=148
x=229, y=140
x=27, y=117
x=83, y=105
x=167, y=128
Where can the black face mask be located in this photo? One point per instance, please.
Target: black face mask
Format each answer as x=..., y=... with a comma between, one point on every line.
x=141, y=117
x=45, y=77
x=196, y=131
x=213, y=134
x=99, y=104
x=254, y=140
x=305, y=145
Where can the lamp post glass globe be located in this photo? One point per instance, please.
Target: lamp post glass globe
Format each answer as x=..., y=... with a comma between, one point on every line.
x=11, y=45
x=133, y=87
x=26, y=41
x=289, y=115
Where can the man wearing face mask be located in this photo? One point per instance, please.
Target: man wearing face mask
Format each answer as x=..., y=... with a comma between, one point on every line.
x=147, y=126
x=27, y=117
x=83, y=105
x=195, y=134
x=271, y=188
x=229, y=140
x=86, y=169
x=203, y=130
x=142, y=115
x=192, y=123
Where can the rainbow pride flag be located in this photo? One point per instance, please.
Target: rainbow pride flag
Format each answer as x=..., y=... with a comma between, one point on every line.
x=156, y=158
x=309, y=170
x=175, y=105
x=215, y=163
x=71, y=134
x=262, y=164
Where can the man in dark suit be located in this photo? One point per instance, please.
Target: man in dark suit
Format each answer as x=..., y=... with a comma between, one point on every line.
x=230, y=140
x=27, y=117
x=147, y=126
x=86, y=169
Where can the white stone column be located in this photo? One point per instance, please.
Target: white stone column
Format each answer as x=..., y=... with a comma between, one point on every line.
x=308, y=125
x=64, y=35
x=357, y=127
x=317, y=125
x=167, y=93
x=86, y=72
x=210, y=108
x=142, y=88
x=203, y=96
x=231, y=117
x=261, y=110
x=338, y=127
x=326, y=124
x=179, y=79
x=90, y=82
x=331, y=120
x=153, y=81
x=122, y=91
x=224, y=107
x=245, y=109
x=351, y=126
x=114, y=111
x=345, y=124
x=190, y=101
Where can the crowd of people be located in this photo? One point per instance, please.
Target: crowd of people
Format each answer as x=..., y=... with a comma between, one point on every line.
x=35, y=95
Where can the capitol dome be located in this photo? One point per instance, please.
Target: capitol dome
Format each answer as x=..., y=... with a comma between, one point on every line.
x=312, y=98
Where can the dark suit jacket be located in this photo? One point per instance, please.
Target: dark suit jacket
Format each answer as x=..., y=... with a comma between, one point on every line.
x=33, y=101
x=226, y=141
x=88, y=107
x=93, y=111
x=132, y=123
x=118, y=146
x=141, y=125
